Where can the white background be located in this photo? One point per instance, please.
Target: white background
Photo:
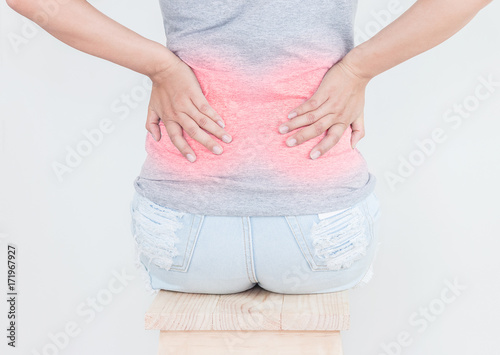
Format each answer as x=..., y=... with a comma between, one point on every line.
x=439, y=224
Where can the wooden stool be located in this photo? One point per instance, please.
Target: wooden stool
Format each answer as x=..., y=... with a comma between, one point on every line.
x=255, y=321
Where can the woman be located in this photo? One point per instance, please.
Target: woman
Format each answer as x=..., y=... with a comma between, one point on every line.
x=252, y=175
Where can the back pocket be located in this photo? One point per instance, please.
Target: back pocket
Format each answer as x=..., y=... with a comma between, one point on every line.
x=163, y=236
x=334, y=240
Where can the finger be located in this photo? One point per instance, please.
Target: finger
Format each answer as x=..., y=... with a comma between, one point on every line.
x=358, y=130
x=331, y=138
x=152, y=124
x=207, y=124
x=311, y=104
x=201, y=103
x=174, y=131
x=311, y=131
x=305, y=119
x=198, y=134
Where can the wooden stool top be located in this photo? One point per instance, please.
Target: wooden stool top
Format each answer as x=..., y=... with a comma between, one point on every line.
x=254, y=309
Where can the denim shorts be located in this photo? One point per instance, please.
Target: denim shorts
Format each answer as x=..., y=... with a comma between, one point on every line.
x=302, y=254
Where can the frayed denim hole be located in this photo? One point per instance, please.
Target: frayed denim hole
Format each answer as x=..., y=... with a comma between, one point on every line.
x=340, y=240
x=155, y=233
x=144, y=274
x=369, y=274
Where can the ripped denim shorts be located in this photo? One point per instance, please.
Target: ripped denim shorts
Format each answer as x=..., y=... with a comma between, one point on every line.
x=315, y=253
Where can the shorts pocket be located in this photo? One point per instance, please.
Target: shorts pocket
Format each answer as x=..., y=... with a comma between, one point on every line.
x=163, y=236
x=333, y=240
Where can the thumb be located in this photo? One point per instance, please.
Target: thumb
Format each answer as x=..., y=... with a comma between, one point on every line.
x=357, y=130
x=152, y=124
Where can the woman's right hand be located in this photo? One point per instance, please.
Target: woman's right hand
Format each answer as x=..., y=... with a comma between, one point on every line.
x=178, y=101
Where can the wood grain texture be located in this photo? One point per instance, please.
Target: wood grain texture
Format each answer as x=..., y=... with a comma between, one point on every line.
x=250, y=343
x=253, y=310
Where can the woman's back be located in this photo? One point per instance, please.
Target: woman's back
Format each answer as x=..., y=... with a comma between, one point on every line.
x=255, y=61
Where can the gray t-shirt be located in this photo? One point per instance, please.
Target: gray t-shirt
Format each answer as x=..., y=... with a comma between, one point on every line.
x=256, y=61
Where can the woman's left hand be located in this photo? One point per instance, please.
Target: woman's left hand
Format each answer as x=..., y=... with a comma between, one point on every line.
x=337, y=103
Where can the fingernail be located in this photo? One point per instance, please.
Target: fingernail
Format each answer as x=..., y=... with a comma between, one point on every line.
x=152, y=136
x=226, y=138
x=217, y=149
x=291, y=142
x=190, y=157
x=315, y=154
x=292, y=114
x=283, y=129
x=221, y=123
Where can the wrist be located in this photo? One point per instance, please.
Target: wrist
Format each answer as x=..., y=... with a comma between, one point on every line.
x=164, y=60
x=356, y=61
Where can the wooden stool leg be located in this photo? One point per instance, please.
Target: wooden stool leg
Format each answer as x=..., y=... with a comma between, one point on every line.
x=211, y=342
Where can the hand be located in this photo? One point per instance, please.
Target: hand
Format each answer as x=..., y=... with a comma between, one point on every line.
x=178, y=101
x=337, y=103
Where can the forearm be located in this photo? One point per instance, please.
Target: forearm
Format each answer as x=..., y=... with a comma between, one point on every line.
x=423, y=26
x=81, y=26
